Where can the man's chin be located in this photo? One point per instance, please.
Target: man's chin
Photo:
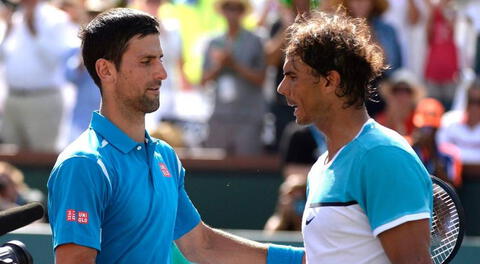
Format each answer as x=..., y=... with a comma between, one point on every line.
x=152, y=109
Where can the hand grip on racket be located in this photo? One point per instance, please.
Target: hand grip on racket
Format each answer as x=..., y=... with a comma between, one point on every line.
x=448, y=222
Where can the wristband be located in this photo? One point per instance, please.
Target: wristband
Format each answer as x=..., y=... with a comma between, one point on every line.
x=277, y=254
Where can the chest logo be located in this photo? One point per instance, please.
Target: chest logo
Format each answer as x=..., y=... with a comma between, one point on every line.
x=309, y=220
x=164, y=169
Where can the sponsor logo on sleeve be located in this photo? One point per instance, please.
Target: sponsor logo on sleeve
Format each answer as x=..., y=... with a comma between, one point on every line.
x=71, y=215
x=82, y=218
x=164, y=169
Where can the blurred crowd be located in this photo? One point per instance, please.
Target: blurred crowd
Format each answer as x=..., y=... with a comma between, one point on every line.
x=224, y=60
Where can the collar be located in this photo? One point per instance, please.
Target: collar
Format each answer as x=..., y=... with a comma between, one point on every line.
x=113, y=134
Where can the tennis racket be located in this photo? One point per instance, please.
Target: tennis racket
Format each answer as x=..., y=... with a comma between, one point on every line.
x=448, y=222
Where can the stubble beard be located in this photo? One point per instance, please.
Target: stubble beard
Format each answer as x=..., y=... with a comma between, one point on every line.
x=149, y=105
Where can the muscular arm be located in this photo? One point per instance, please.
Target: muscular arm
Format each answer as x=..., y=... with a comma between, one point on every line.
x=75, y=254
x=204, y=244
x=408, y=243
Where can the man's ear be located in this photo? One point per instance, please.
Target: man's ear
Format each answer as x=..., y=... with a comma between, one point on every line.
x=332, y=80
x=106, y=70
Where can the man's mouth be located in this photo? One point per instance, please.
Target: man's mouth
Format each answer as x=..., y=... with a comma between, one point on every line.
x=291, y=104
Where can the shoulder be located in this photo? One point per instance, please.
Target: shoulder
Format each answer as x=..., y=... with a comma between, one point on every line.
x=381, y=147
x=375, y=135
x=86, y=146
x=166, y=151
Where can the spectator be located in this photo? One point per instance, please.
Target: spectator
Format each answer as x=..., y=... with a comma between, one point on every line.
x=464, y=132
x=443, y=160
x=234, y=64
x=37, y=39
x=290, y=205
x=401, y=93
x=442, y=62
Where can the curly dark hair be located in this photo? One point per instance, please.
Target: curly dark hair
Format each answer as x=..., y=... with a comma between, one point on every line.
x=336, y=42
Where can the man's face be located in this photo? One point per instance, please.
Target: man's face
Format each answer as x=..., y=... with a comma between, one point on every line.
x=303, y=91
x=233, y=12
x=140, y=75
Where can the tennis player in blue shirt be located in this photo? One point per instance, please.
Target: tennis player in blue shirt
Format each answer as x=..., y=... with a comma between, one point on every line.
x=116, y=195
x=369, y=197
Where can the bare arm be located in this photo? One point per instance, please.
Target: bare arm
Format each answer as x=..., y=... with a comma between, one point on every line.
x=204, y=244
x=408, y=243
x=75, y=254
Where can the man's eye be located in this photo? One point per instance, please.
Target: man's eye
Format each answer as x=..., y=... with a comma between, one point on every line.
x=145, y=62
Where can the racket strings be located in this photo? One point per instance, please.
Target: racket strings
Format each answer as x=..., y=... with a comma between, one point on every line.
x=445, y=225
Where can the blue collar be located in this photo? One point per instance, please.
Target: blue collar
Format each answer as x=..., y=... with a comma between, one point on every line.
x=113, y=134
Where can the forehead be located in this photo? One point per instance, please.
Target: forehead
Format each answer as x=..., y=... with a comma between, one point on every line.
x=295, y=64
x=144, y=45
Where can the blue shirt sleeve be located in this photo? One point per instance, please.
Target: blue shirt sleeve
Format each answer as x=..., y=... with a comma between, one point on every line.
x=77, y=193
x=187, y=215
x=393, y=187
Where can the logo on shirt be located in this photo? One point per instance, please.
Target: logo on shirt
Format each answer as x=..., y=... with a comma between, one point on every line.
x=80, y=217
x=71, y=215
x=164, y=169
x=309, y=220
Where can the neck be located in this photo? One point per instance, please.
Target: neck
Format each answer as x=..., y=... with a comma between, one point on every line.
x=342, y=127
x=131, y=123
x=233, y=29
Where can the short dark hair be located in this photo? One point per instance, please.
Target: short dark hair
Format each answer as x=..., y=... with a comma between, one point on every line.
x=335, y=42
x=108, y=34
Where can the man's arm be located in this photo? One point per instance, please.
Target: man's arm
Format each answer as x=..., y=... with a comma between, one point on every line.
x=408, y=243
x=203, y=244
x=75, y=254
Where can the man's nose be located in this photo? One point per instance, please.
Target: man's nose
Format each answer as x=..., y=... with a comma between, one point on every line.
x=160, y=72
x=281, y=89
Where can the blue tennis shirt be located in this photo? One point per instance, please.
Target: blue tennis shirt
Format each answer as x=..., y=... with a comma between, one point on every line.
x=374, y=183
x=123, y=198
